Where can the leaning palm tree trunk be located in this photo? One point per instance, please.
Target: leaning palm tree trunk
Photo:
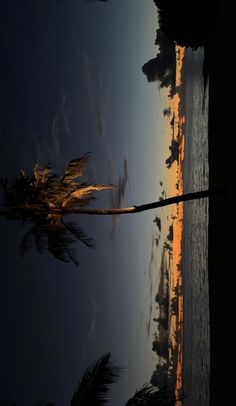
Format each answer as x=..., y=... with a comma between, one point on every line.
x=138, y=209
x=44, y=198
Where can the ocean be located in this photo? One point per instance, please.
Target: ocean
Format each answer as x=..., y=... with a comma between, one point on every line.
x=196, y=351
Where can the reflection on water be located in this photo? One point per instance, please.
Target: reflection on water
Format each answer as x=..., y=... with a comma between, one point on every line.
x=195, y=249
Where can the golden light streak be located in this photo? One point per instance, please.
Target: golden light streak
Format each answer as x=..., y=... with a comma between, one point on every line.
x=175, y=130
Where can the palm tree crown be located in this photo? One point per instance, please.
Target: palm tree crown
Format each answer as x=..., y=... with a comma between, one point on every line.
x=43, y=198
x=93, y=388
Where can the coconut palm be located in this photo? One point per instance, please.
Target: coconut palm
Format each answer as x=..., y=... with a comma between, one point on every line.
x=149, y=395
x=93, y=388
x=45, y=199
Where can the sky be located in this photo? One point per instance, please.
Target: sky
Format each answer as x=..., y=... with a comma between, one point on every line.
x=72, y=83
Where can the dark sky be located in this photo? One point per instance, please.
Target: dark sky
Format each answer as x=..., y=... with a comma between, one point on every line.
x=71, y=82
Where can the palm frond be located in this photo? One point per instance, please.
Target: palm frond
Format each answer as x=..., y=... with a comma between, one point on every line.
x=75, y=169
x=79, y=234
x=149, y=395
x=93, y=388
x=43, y=196
x=41, y=174
x=83, y=193
x=40, y=238
x=60, y=244
x=27, y=241
x=56, y=237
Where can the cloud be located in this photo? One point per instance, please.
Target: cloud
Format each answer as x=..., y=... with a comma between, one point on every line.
x=49, y=149
x=97, y=99
x=93, y=323
x=88, y=81
x=60, y=124
x=101, y=117
x=117, y=194
x=92, y=327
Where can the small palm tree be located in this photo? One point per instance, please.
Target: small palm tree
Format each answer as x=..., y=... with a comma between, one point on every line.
x=44, y=199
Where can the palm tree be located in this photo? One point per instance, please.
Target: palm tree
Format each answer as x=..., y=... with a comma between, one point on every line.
x=149, y=395
x=45, y=199
x=94, y=387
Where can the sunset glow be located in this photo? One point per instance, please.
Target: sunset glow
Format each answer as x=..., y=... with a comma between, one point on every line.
x=175, y=131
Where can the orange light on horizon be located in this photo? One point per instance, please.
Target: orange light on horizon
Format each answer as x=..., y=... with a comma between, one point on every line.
x=175, y=130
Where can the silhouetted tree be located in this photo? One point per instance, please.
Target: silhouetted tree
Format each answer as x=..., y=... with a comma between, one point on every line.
x=167, y=112
x=162, y=68
x=160, y=347
x=44, y=199
x=174, y=153
x=170, y=235
x=164, y=302
x=148, y=395
x=40, y=198
x=94, y=386
x=163, y=321
x=160, y=376
x=174, y=305
x=184, y=23
x=157, y=220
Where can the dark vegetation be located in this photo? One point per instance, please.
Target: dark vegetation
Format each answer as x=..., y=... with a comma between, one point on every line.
x=94, y=388
x=162, y=68
x=165, y=372
x=185, y=23
x=174, y=153
x=180, y=23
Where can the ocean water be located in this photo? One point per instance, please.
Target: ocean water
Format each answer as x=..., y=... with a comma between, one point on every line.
x=196, y=352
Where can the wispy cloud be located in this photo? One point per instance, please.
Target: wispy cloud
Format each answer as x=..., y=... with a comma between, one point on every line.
x=49, y=148
x=91, y=329
x=93, y=323
x=97, y=98
x=60, y=124
x=117, y=194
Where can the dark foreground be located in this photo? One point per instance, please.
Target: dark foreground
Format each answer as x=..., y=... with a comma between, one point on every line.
x=222, y=160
